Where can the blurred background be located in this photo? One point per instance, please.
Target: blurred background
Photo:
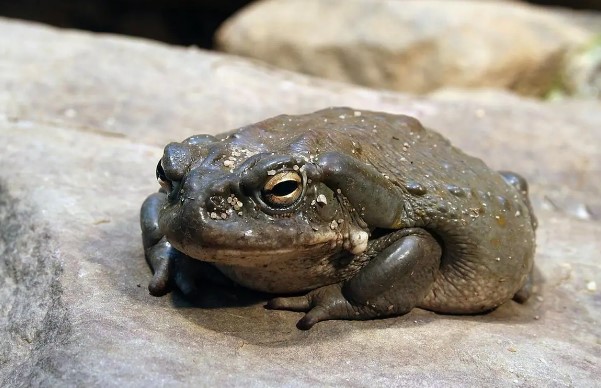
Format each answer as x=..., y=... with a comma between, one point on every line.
x=182, y=22
x=540, y=48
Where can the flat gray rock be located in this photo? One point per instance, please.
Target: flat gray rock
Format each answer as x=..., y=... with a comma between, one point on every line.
x=83, y=119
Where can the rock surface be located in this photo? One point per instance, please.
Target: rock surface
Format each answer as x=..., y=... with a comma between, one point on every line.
x=583, y=72
x=414, y=46
x=83, y=120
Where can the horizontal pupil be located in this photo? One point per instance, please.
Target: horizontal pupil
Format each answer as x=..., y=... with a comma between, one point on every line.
x=284, y=188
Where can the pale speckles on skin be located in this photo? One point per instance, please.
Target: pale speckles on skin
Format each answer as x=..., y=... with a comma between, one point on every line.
x=227, y=208
x=236, y=156
x=321, y=199
x=234, y=202
x=357, y=242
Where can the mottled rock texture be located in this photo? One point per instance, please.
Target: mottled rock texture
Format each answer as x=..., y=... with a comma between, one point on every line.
x=414, y=45
x=83, y=120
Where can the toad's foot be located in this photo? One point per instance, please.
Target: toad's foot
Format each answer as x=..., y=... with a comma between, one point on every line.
x=172, y=269
x=322, y=304
x=160, y=257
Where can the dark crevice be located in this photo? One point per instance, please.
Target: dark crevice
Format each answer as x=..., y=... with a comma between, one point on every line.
x=33, y=317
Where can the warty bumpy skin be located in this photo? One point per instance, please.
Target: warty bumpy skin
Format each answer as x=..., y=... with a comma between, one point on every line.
x=364, y=214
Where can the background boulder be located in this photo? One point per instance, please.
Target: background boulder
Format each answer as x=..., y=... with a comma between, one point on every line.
x=413, y=46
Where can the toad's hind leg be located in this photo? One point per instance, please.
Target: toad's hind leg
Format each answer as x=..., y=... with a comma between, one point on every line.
x=397, y=279
x=400, y=276
x=402, y=264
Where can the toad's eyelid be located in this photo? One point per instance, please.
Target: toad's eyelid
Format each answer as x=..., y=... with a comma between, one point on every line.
x=277, y=163
x=264, y=161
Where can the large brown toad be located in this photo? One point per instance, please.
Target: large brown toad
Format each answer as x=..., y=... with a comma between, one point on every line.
x=366, y=214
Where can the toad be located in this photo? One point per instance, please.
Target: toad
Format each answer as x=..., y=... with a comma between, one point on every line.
x=343, y=214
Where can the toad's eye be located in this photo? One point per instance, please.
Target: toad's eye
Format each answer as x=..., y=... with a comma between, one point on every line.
x=282, y=189
x=162, y=178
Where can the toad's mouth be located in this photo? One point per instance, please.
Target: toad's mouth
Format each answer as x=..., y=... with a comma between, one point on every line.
x=252, y=255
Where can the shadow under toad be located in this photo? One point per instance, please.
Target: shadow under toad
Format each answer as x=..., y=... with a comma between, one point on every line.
x=240, y=312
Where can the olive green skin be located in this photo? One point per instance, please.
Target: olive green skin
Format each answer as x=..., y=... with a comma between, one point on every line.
x=391, y=217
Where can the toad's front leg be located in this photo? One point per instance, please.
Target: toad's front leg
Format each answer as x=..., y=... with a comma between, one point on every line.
x=171, y=267
x=159, y=253
x=392, y=283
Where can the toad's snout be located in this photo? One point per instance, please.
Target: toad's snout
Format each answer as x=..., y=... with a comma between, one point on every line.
x=213, y=196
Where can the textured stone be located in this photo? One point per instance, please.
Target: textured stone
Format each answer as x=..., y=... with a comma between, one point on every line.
x=415, y=46
x=83, y=119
